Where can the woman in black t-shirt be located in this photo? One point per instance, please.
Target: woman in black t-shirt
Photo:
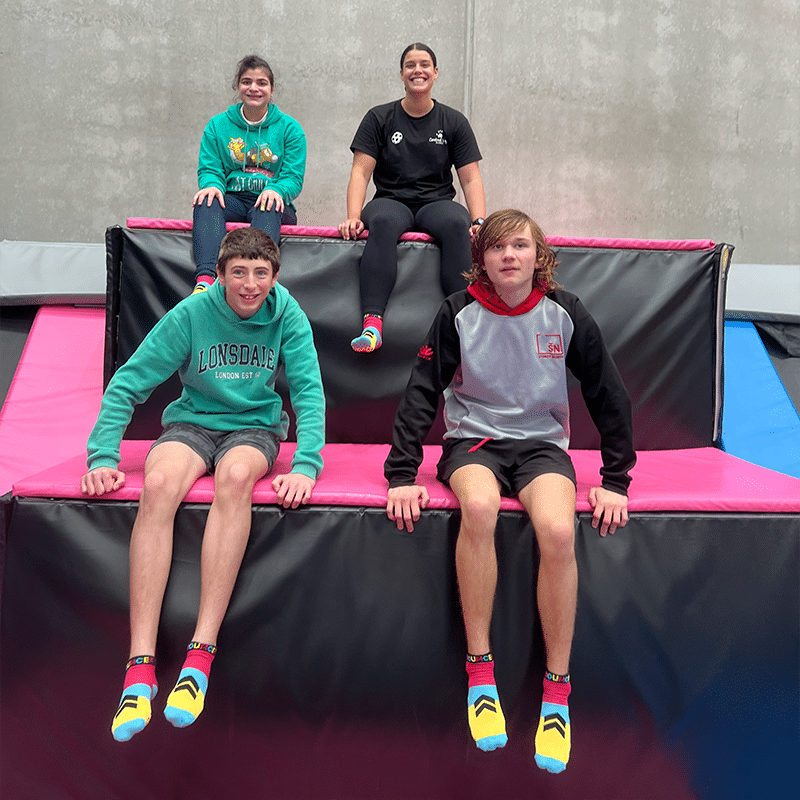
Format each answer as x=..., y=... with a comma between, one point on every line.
x=408, y=148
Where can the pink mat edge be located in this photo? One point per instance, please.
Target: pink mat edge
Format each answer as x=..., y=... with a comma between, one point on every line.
x=768, y=491
x=555, y=241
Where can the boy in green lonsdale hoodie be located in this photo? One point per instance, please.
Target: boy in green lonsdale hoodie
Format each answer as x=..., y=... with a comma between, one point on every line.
x=226, y=344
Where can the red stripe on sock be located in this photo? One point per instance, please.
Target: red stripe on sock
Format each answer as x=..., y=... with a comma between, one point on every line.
x=140, y=673
x=373, y=321
x=200, y=660
x=480, y=673
x=557, y=693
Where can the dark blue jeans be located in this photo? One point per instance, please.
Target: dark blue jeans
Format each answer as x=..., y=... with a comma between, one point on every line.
x=209, y=226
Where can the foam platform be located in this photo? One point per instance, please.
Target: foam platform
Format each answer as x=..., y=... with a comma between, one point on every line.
x=340, y=673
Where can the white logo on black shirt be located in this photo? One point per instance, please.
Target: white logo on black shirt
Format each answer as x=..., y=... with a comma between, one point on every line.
x=397, y=137
x=439, y=138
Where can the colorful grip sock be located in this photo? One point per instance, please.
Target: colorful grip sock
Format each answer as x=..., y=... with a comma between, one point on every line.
x=203, y=284
x=553, y=734
x=186, y=700
x=486, y=721
x=138, y=691
x=370, y=338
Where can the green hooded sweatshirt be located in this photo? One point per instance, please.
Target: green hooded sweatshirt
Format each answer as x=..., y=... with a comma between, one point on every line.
x=236, y=156
x=228, y=367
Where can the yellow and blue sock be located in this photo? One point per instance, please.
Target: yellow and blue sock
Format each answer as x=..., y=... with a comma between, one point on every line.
x=370, y=338
x=138, y=691
x=186, y=700
x=203, y=284
x=486, y=721
x=553, y=735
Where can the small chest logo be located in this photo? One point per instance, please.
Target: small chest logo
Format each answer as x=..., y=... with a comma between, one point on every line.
x=549, y=345
x=397, y=137
x=439, y=138
x=425, y=352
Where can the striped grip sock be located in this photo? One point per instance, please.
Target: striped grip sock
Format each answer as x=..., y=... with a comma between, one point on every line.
x=553, y=737
x=486, y=721
x=186, y=700
x=138, y=691
x=370, y=338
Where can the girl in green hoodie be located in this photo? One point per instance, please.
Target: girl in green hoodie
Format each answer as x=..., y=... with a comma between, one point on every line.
x=251, y=167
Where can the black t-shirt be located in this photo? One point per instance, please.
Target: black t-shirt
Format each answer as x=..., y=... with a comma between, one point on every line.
x=415, y=155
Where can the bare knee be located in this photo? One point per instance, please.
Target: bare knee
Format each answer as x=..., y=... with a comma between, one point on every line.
x=479, y=514
x=234, y=482
x=556, y=539
x=160, y=489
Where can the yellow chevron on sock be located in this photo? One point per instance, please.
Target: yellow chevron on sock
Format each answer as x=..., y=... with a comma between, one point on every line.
x=553, y=738
x=367, y=342
x=486, y=720
x=186, y=700
x=134, y=711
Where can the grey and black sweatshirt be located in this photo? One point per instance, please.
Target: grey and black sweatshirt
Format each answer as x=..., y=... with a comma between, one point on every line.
x=502, y=372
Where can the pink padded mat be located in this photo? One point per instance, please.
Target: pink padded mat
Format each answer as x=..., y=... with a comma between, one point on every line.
x=413, y=236
x=702, y=480
x=55, y=397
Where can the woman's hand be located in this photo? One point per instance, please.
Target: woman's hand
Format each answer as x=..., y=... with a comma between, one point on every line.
x=350, y=228
x=207, y=196
x=269, y=199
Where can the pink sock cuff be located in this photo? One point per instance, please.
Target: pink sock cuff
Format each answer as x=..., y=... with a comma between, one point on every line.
x=480, y=671
x=556, y=688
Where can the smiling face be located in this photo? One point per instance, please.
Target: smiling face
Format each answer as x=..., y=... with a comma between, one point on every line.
x=255, y=92
x=418, y=72
x=247, y=283
x=510, y=265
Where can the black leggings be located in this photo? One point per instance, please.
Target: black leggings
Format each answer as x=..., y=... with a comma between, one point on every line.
x=387, y=220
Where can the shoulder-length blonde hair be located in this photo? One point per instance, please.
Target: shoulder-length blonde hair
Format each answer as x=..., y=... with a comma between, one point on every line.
x=498, y=226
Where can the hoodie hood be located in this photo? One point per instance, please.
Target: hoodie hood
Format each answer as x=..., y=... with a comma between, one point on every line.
x=492, y=301
x=234, y=114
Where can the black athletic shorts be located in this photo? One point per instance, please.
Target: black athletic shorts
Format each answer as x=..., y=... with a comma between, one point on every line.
x=514, y=462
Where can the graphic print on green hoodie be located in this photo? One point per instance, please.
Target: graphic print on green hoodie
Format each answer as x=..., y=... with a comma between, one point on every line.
x=237, y=156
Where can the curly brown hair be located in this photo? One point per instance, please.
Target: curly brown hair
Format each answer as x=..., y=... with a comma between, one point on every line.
x=498, y=226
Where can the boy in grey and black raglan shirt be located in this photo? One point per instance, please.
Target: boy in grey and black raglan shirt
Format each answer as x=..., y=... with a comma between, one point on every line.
x=499, y=352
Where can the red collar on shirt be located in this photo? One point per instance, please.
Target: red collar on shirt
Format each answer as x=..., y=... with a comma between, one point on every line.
x=492, y=301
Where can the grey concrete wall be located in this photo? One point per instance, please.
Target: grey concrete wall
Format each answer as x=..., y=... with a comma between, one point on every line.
x=637, y=118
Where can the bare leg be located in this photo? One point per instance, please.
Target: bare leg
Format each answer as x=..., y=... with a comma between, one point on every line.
x=550, y=503
x=226, y=534
x=224, y=541
x=170, y=470
x=478, y=494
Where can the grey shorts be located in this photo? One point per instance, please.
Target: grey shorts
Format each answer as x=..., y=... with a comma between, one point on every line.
x=212, y=445
x=514, y=462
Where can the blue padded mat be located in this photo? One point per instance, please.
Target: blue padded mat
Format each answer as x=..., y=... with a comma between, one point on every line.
x=759, y=422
